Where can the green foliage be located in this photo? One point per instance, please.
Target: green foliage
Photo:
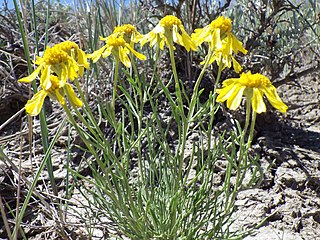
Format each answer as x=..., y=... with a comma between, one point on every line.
x=137, y=182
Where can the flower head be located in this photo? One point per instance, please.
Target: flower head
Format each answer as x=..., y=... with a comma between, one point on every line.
x=128, y=32
x=118, y=47
x=254, y=87
x=56, y=91
x=222, y=42
x=168, y=31
x=65, y=59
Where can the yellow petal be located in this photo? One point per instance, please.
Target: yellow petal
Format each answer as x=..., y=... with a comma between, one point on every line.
x=237, y=67
x=32, y=76
x=200, y=35
x=96, y=54
x=213, y=57
x=124, y=57
x=155, y=39
x=274, y=99
x=176, y=37
x=45, y=82
x=136, y=37
x=107, y=52
x=39, y=61
x=144, y=40
x=72, y=96
x=216, y=40
x=235, y=99
x=82, y=61
x=237, y=45
x=188, y=43
x=138, y=55
x=73, y=68
x=230, y=81
x=59, y=95
x=258, y=104
x=161, y=42
x=226, y=92
x=34, y=105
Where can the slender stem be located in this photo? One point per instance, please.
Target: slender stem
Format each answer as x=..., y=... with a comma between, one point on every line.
x=248, y=113
x=218, y=77
x=115, y=83
x=196, y=86
x=154, y=69
x=253, y=123
x=184, y=132
x=89, y=112
x=242, y=160
x=82, y=135
x=192, y=105
x=176, y=78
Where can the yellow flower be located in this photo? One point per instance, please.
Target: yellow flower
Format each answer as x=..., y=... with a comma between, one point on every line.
x=118, y=47
x=56, y=91
x=65, y=59
x=221, y=42
x=254, y=87
x=168, y=31
x=128, y=32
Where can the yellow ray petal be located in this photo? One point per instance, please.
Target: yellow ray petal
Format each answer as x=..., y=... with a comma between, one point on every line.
x=258, y=104
x=274, y=99
x=45, y=82
x=124, y=57
x=226, y=92
x=237, y=45
x=96, y=54
x=34, y=105
x=137, y=54
x=72, y=96
x=32, y=76
x=59, y=95
x=237, y=67
x=188, y=43
x=235, y=99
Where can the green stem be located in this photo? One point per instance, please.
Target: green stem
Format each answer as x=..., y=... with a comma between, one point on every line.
x=115, y=83
x=192, y=106
x=82, y=135
x=242, y=160
x=253, y=123
x=218, y=77
x=89, y=113
x=248, y=113
x=176, y=79
x=184, y=131
x=194, y=96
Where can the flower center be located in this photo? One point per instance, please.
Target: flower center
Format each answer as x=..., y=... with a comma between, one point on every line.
x=126, y=29
x=55, y=83
x=55, y=55
x=67, y=46
x=255, y=80
x=169, y=21
x=224, y=24
x=116, y=42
